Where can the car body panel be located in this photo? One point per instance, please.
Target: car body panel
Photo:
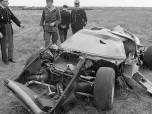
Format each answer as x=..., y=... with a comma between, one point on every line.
x=24, y=95
x=119, y=30
x=102, y=44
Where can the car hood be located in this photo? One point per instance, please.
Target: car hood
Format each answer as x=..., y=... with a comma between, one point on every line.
x=97, y=43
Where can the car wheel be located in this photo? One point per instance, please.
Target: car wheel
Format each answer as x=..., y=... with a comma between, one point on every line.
x=147, y=59
x=30, y=59
x=33, y=63
x=104, y=88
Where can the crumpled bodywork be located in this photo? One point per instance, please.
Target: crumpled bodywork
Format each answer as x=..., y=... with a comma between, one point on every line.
x=97, y=43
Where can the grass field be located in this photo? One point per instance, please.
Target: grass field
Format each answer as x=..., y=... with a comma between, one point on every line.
x=30, y=39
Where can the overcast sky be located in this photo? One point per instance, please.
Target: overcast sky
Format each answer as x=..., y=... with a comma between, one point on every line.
x=136, y=3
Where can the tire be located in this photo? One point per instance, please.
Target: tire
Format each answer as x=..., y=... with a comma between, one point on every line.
x=35, y=65
x=147, y=59
x=32, y=57
x=104, y=88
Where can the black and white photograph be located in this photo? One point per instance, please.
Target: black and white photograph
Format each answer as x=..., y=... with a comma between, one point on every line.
x=76, y=57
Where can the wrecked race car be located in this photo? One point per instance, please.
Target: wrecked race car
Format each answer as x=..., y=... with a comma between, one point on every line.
x=85, y=66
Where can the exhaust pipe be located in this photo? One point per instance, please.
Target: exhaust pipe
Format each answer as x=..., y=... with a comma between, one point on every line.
x=24, y=98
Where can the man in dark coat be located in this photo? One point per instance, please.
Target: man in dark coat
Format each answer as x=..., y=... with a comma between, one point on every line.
x=65, y=21
x=6, y=29
x=49, y=21
x=78, y=17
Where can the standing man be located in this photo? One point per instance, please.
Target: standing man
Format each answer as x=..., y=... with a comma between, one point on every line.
x=49, y=21
x=6, y=29
x=65, y=21
x=78, y=17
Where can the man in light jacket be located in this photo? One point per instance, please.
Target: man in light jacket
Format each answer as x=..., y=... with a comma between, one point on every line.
x=49, y=21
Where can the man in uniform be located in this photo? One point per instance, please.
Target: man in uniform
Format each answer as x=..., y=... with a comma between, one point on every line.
x=49, y=21
x=6, y=29
x=65, y=21
x=78, y=17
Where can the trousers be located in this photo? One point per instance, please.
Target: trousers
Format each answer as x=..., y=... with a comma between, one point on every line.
x=3, y=42
x=47, y=38
x=9, y=35
x=63, y=35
